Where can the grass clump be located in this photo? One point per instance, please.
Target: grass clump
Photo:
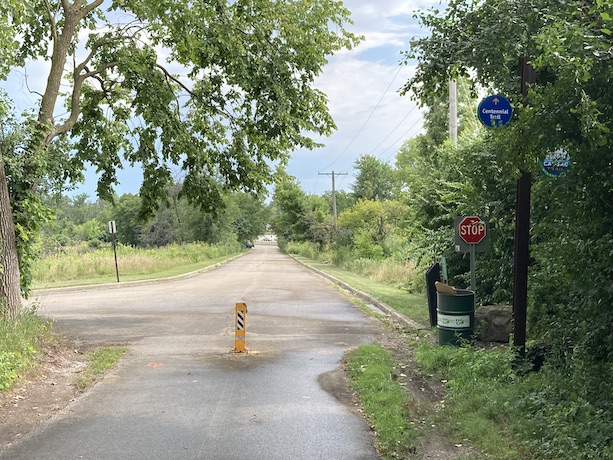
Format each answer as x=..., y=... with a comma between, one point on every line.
x=21, y=340
x=371, y=370
x=100, y=361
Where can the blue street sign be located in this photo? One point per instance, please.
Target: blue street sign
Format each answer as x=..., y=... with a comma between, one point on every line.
x=495, y=111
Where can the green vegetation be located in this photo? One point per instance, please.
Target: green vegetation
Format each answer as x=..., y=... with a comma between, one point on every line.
x=402, y=213
x=383, y=399
x=100, y=361
x=21, y=341
x=82, y=265
x=483, y=397
x=512, y=414
x=378, y=279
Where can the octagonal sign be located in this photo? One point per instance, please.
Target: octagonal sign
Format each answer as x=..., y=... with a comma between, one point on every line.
x=472, y=230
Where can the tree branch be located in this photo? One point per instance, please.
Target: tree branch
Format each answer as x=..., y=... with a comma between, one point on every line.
x=52, y=21
x=75, y=107
x=176, y=80
x=91, y=7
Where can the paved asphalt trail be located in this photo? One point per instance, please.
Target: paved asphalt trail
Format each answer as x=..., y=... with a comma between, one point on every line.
x=181, y=394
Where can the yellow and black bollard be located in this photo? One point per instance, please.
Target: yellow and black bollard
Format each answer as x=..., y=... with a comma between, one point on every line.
x=240, y=328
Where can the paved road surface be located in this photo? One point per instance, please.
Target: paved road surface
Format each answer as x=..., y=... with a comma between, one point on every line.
x=181, y=394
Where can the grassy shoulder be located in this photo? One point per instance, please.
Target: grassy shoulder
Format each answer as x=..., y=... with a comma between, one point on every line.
x=384, y=401
x=22, y=344
x=411, y=305
x=80, y=266
x=485, y=404
x=21, y=341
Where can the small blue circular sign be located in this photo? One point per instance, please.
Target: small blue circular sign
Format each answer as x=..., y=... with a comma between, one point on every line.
x=495, y=111
x=556, y=163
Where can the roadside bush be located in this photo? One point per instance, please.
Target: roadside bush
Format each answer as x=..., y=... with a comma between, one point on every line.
x=282, y=244
x=20, y=342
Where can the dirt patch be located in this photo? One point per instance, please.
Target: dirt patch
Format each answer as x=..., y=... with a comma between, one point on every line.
x=335, y=383
x=36, y=399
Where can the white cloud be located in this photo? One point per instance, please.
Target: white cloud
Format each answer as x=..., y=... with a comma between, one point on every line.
x=362, y=86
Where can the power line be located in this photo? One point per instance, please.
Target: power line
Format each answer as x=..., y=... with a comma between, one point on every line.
x=367, y=119
x=392, y=131
x=401, y=137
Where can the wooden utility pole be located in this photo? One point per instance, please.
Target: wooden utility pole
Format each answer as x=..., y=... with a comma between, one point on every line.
x=453, y=111
x=521, y=258
x=333, y=174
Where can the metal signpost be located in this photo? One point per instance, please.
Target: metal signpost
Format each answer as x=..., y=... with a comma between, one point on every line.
x=471, y=235
x=113, y=231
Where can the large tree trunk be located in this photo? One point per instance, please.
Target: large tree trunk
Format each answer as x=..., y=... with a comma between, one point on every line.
x=10, y=290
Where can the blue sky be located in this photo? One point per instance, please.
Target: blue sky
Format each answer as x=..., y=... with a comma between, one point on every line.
x=362, y=87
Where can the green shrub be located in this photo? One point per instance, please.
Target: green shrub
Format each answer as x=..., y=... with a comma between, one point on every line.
x=20, y=342
x=500, y=409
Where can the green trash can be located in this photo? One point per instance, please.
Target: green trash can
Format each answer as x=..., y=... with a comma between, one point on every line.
x=455, y=317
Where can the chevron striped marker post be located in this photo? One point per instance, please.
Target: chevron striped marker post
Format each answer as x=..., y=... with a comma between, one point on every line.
x=240, y=328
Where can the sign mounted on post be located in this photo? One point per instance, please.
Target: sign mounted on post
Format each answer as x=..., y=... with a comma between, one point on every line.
x=471, y=235
x=471, y=231
x=113, y=231
x=495, y=111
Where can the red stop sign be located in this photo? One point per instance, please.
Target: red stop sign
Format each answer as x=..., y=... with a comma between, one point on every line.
x=472, y=229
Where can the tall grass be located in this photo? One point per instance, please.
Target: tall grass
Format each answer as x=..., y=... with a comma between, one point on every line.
x=20, y=343
x=81, y=263
x=399, y=273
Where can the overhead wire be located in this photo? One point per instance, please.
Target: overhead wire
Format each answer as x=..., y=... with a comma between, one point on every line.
x=392, y=131
x=365, y=122
x=404, y=135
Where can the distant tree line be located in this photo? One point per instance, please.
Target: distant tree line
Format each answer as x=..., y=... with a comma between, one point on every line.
x=81, y=220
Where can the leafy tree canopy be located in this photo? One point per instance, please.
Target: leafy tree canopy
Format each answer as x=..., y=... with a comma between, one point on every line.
x=221, y=88
x=374, y=180
x=568, y=44
x=216, y=87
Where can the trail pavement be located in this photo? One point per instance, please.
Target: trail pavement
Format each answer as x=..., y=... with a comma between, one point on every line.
x=181, y=394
